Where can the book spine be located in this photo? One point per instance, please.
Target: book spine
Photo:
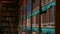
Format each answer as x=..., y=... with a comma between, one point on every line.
x=23, y=32
x=33, y=32
x=34, y=21
x=48, y=12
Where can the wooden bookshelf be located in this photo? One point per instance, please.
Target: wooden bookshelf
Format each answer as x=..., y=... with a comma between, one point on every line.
x=33, y=18
x=9, y=17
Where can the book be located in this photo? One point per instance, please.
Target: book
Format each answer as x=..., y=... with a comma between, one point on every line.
x=34, y=21
x=37, y=20
x=34, y=33
x=51, y=13
x=24, y=3
x=43, y=18
x=29, y=8
x=28, y=22
x=51, y=17
x=11, y=0
x=34, y=5
x=23, y=32
x=37, y=3
x=47, y=16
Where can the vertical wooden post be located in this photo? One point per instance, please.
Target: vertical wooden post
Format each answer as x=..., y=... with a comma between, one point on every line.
x=40, y=10
x=57, y=17
x=0, y=9
x=0, y=15
x=31, y=14
x=26, y=17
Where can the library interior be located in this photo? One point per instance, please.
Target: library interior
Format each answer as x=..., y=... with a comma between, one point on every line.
x=27, y=16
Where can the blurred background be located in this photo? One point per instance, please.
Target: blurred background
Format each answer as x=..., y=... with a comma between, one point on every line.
x=27, y=16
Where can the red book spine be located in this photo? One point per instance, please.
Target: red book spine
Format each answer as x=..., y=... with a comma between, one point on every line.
x=24, y=3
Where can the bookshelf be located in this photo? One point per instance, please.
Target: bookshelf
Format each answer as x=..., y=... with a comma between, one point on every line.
x=9, y=17
x=35, y=12
x=8, y=1
x=45, y=16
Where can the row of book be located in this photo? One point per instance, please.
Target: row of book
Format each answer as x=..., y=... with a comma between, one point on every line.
x=48, y=18
x=28, y=32
x=9, y=17
x=27, y=8
x=27, y=11
x=35, y=11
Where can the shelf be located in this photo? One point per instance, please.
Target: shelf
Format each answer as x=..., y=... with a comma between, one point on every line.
x=43, y=9
x=10, y=5
x=5, y=24
x=52, y=30
x=9, y=16
x=12, y=15
x=5, y=21
x=9, y=11
x=6, y=31
x=9, y=2
x=8, y=21
x=30, y=4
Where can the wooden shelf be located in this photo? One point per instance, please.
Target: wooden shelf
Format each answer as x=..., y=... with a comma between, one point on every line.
x=8, y=2
x=10, y=16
